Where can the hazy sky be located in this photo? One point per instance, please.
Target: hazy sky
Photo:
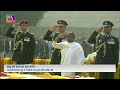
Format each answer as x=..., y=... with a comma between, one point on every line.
x=80, y=18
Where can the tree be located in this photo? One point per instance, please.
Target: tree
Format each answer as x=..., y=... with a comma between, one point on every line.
x=32, y=16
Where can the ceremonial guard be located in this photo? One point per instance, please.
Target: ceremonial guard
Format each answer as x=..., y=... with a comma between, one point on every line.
x=50, y=36
x=24, y=43
x=107, y=48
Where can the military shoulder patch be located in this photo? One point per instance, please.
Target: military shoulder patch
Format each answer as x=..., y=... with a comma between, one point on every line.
x=31, y=34
x=57, y=32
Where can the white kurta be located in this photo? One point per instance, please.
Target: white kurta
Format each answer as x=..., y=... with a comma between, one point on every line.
x=71, y=53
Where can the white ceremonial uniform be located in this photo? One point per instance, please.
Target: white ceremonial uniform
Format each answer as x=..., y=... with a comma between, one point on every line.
x=71, y=53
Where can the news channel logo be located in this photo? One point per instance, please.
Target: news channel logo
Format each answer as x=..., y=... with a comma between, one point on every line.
x=10, y=18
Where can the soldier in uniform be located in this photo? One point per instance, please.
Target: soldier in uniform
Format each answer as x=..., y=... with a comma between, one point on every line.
x=49, y=36
x=107, y=47
x=24, y=43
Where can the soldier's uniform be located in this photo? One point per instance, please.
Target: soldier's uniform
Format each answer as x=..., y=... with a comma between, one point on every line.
x=107, y=48
x=24, y=45
x=56, y=54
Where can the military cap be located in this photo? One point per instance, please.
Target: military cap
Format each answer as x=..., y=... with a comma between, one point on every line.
x=107, y=23
x=24, y=22
x=62, y=22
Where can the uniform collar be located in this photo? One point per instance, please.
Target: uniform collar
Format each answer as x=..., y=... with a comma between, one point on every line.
x=108, y=35
x=24, y=32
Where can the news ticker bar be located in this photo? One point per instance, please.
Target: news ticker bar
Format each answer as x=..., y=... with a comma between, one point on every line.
x=59, y=68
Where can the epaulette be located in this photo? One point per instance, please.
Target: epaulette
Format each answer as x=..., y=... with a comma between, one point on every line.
x=19, y=31
x=31, y=33
x=57, y=32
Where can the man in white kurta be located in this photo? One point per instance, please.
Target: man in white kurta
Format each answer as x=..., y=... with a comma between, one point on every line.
x=71, y=52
